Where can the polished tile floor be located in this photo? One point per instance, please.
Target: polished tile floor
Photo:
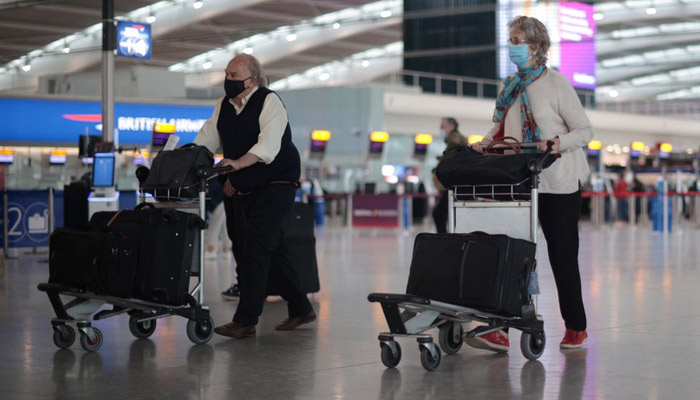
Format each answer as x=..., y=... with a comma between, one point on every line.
x=641, y=292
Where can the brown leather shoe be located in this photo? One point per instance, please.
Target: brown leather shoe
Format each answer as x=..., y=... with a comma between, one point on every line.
x=235, y=330
x=292, y=323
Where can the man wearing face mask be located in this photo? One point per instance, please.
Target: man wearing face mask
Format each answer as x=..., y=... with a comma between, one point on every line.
x=251, y=125
x=453, y=138
x=538, y=104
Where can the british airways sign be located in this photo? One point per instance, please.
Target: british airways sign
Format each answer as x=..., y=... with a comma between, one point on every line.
x=134, y=40
x=62, y=121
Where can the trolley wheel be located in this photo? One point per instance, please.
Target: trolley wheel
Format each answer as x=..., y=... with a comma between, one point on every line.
x=429, y=362
x=532, y=345
x=63, y=336
x=388, y=358
x=450, y=337
x=198, y=332
x=143, y=329
x=94, y=343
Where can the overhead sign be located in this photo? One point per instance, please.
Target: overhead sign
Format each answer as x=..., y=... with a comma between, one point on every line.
x=134, y=40
x=63, y=121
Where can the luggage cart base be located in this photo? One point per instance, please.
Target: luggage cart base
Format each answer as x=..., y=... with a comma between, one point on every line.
x=411, y=316
x=142, y=316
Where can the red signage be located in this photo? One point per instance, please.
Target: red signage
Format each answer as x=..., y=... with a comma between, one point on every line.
x=375, y=211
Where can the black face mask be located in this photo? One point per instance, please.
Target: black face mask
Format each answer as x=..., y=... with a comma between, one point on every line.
x=234, y=88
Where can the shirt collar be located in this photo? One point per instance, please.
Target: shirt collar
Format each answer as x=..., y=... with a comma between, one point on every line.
x=244, y=101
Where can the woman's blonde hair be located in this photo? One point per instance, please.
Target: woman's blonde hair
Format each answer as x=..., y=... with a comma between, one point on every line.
x=535, y=34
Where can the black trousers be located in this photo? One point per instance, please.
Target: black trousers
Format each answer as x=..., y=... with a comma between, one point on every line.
x=440, y=212
x=256, y=230
x=559, y=215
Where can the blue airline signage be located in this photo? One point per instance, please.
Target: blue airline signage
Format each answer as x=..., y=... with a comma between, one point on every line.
x=63, y=121
x=134, y=40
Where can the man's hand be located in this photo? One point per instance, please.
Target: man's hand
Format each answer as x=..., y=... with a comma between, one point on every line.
x=228, y=163
x=542, y=146
x=229, y=191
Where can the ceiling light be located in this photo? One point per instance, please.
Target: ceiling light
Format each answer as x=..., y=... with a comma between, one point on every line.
x=385, y=14
x=291, y=37
x=336, y=25
x=207, y=65
x=651, y=10
x=27, y=66
x=197, y=4
x=65, y=49
x=151, y=18
x=598, y=16
x=613, y=93
x=324, y=76
x=365, y=63
x=248, y=50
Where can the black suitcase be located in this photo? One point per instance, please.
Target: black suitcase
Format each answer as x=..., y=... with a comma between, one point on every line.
x=486, y=272
x=95, y=260
x=167, y=246
x=301, y=242
x=75, y=204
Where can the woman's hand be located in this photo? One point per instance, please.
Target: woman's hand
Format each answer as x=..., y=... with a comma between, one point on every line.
x=542, y=146
x=480, y=146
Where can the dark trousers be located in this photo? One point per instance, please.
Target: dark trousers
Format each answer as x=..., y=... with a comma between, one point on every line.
x=559, y=215
x=259, y=242
x=440, y=213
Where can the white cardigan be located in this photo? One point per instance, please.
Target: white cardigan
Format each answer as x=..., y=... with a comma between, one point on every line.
x=557, y=112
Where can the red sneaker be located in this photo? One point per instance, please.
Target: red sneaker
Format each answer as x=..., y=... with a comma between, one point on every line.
x=495, y=341
x=573, y=339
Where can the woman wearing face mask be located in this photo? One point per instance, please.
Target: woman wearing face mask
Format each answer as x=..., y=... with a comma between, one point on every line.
x=538, y=104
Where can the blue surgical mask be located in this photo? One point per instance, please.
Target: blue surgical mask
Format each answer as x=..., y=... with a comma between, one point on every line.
x=518, y=54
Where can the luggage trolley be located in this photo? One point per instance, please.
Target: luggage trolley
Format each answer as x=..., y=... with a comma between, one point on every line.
x=508, y=211
x=82, y=306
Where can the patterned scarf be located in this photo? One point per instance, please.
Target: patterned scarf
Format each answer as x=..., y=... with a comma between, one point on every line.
x=514, y=86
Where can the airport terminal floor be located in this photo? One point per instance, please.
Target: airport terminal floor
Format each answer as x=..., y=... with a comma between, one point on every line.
x=640, y=290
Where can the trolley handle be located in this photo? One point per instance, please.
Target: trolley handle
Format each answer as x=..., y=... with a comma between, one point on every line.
x=523, y=146
x=209, y=173
x=535, y=165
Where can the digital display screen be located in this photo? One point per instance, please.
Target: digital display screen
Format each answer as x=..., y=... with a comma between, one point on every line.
x=376, y=147
x=572, y=31
x=160, y=138
x=87, y=160
x=103, y=170
x=420, y=149
x=7, y=158
x=55, y=159
x=635, y=153
x=134, y=40
x=593, y=153
x=318, y=146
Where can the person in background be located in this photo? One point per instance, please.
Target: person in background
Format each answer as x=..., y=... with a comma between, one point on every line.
x=251, y=125
x=621, y=196
x=453, y=138
x=538, y=104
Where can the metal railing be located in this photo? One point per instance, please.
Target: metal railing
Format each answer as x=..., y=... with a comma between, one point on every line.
x=463, y=86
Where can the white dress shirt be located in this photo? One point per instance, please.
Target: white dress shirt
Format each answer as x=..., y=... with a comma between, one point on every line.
x=273, y=122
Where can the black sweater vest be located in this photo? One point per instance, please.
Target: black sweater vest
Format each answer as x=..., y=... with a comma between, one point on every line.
x=239, y=133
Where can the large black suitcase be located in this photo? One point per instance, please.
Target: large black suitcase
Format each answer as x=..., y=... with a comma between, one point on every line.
x=486, y=272
x=301, y=242
x=75, y=204
x=168, y=251
x=96, y=260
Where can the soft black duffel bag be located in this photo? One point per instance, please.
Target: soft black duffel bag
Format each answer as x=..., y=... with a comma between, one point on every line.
x=486, y=272
x=464, y=166
x=173, y=172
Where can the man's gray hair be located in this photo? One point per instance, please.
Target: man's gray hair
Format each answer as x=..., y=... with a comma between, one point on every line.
x=535, y=34
x=255, y=68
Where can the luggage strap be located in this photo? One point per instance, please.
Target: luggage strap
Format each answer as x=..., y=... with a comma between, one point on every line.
x=114, y=218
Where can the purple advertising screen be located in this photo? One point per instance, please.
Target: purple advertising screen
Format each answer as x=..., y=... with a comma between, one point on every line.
x=572, y=31
x=577, y=31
